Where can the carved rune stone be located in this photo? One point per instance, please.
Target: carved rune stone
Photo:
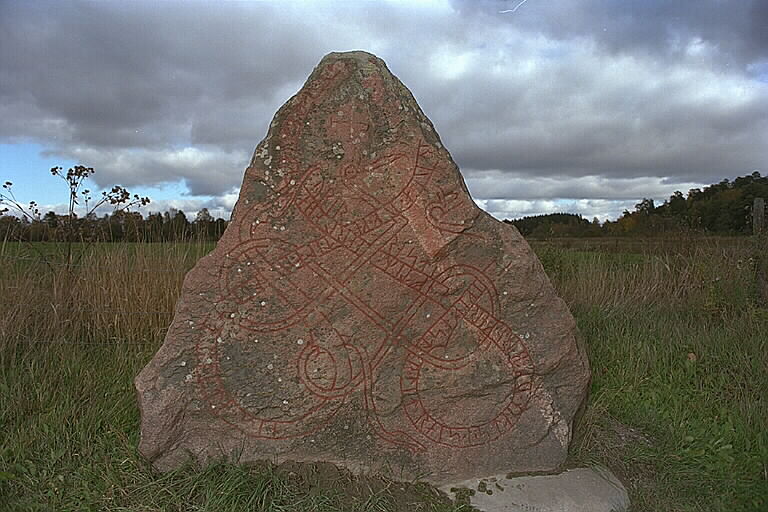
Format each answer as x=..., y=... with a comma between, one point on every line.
x=361, y=310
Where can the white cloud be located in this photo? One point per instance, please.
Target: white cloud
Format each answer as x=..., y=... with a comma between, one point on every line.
x=450, y=63
x=204, y=170
x=499, y=185
x=218, y=207
x=603, y=209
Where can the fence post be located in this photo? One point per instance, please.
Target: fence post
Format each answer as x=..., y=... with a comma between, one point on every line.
x=758, y=216
x=761, y=248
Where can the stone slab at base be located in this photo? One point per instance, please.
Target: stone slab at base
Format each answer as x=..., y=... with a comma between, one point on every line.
x=577, y=490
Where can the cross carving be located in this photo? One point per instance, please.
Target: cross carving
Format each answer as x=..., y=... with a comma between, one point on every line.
x=348, y=122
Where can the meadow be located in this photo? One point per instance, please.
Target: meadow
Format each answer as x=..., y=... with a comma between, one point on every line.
x=676, y=331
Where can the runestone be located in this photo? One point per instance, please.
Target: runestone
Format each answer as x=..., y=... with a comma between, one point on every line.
x=360, y=309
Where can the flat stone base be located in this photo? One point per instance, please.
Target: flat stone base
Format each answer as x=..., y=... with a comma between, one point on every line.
x=577, y=490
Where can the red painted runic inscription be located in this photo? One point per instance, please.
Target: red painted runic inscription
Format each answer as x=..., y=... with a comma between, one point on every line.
x=338, y=263
x=360, y=309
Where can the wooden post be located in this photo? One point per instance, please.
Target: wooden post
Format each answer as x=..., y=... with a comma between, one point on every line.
x=761, y=248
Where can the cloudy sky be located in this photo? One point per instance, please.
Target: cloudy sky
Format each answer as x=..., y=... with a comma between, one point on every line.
x=583, y=106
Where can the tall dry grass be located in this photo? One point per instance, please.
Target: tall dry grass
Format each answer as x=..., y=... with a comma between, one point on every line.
x=115, y=293
x=702, y=275
x=676, y=335
x=127, y=292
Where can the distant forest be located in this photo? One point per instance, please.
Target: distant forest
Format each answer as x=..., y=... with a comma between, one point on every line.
x=121, y=226
x=721, y=209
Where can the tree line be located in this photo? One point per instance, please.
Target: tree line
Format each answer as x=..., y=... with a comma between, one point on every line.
x=27, y=224
x=723, y=208
x=119, y=226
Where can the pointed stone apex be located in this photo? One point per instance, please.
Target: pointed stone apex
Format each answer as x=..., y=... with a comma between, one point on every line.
x=360, y=309
x=358, y=55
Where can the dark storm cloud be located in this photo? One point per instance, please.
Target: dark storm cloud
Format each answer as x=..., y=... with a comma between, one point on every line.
x=123, y=83
x=97, y=78
x=107, y=65
x=616, y=96
x=737, y=28
x=625, y=118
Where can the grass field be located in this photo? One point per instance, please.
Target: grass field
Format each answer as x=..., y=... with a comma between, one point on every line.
x=676, y=332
